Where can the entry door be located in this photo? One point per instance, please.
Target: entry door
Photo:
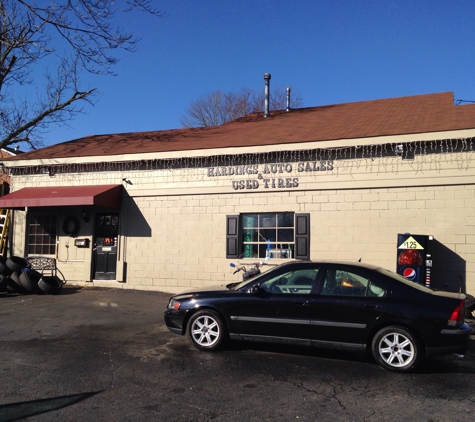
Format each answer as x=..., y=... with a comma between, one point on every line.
x=281, y=311
x=105, y=246
x=346, y=309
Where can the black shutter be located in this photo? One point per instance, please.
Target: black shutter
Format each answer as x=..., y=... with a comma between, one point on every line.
x=232, y=236
x=302, y=236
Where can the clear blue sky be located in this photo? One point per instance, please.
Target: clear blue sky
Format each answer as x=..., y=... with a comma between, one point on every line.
x=330, y=51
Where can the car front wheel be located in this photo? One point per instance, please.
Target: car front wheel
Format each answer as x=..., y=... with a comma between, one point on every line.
x=206, y=330
x=396, y=349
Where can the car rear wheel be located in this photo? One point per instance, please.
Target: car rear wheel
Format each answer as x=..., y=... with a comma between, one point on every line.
x=396, y=349
x=206, y=330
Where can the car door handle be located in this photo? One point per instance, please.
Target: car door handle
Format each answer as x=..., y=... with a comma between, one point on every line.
x=370, y=306
x=302, y=303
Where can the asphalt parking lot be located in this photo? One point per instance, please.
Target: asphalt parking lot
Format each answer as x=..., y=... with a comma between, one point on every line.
x=105, y=355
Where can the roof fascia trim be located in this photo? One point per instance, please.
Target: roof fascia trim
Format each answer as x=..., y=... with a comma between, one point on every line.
x=336, y=143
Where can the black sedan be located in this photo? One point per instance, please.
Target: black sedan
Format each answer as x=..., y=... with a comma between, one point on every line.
x=339, y=305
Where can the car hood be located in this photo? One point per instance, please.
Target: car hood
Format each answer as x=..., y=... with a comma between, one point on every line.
x=215, y=288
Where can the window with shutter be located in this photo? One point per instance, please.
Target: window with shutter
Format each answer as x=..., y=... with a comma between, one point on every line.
x=281, y=235
x=232, y=236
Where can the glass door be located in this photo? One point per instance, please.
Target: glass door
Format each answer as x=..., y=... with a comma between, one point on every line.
x=105, y=246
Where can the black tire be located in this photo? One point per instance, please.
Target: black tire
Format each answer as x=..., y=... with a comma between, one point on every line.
x=15, y=263
x=3, y=283
x=206, y=330
x=469, y=305
x=3, y=267
x=11, y=286
x=29, y=280
x=14, y=285
x=51, y=285
x=395, y=348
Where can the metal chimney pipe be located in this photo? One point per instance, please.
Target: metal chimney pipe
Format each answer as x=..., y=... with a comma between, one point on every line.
x=266, y=94
x=288, y=100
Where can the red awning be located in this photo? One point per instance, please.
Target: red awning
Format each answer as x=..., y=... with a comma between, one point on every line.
x=107, y=196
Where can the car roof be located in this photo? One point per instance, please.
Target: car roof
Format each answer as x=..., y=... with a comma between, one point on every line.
x=338, y=262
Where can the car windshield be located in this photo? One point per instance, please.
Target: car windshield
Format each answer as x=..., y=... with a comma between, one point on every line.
x=251, y=280
x=404, y=280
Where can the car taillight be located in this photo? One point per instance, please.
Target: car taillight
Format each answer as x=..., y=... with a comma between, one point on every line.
x=457, y=316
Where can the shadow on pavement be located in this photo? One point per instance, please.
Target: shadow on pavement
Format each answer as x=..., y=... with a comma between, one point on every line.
x=70, y=290
x=19, y=411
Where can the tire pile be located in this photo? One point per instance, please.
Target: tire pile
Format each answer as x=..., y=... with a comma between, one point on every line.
x=17, y=276
x=469, y=306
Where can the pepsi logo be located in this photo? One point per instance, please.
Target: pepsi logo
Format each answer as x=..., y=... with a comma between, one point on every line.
x=409, y=273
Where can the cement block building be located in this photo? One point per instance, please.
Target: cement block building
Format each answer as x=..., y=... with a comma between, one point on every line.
x=171, y=209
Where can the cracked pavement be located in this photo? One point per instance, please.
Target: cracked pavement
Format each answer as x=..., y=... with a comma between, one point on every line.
x=106, y=355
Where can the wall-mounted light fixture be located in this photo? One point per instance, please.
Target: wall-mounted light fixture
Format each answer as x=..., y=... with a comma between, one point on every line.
x=84, y=215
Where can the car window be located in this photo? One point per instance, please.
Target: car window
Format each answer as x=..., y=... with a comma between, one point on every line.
x=375, y=291
x=292, y=282
x=347, y=283
x=244, y=283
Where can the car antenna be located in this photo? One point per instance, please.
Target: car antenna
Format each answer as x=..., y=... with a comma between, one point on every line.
x=359, y=260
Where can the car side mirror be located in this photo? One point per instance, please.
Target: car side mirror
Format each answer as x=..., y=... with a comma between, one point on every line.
x=255, y=290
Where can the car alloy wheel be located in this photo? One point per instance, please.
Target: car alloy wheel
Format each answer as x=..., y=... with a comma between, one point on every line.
x=396, y=349
x=205, y=330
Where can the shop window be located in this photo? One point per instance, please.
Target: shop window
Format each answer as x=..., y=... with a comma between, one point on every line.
x=42, y=234
x=268, y=235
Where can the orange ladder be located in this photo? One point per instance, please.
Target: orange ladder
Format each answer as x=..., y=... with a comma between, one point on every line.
x=4, y=225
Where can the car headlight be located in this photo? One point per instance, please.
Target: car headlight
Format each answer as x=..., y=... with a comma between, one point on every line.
x=174, y=304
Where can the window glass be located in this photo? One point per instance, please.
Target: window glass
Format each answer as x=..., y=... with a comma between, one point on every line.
x=285, y=220
x=107, y=229
x=249, y=235
x=267, y=220
x=42, y=234
x=375, y=291
x=346, y=283
x=250, y=220
x=285, y=235
x=268, y=235
x=293, y=282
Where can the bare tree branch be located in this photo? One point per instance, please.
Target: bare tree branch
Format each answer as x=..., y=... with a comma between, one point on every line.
x=217, y=108
x=79, y=35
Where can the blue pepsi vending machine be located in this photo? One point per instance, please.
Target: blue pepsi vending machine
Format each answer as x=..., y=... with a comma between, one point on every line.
x=414, y=257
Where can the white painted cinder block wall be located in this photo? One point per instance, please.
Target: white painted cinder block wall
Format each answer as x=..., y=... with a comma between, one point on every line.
x=173, y=221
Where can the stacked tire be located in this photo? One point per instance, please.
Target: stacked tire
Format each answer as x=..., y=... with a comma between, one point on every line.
x=17, y=276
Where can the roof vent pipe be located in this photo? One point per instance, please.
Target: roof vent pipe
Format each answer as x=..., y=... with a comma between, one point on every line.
x=266, y=94
x=288, y=100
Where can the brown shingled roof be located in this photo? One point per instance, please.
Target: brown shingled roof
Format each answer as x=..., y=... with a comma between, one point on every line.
x=393, y=116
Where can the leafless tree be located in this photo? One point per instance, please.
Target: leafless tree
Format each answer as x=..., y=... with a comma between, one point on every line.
x=69, y=35
x=217, y=107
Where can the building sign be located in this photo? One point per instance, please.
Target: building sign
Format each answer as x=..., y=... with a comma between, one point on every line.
x=269, y=176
